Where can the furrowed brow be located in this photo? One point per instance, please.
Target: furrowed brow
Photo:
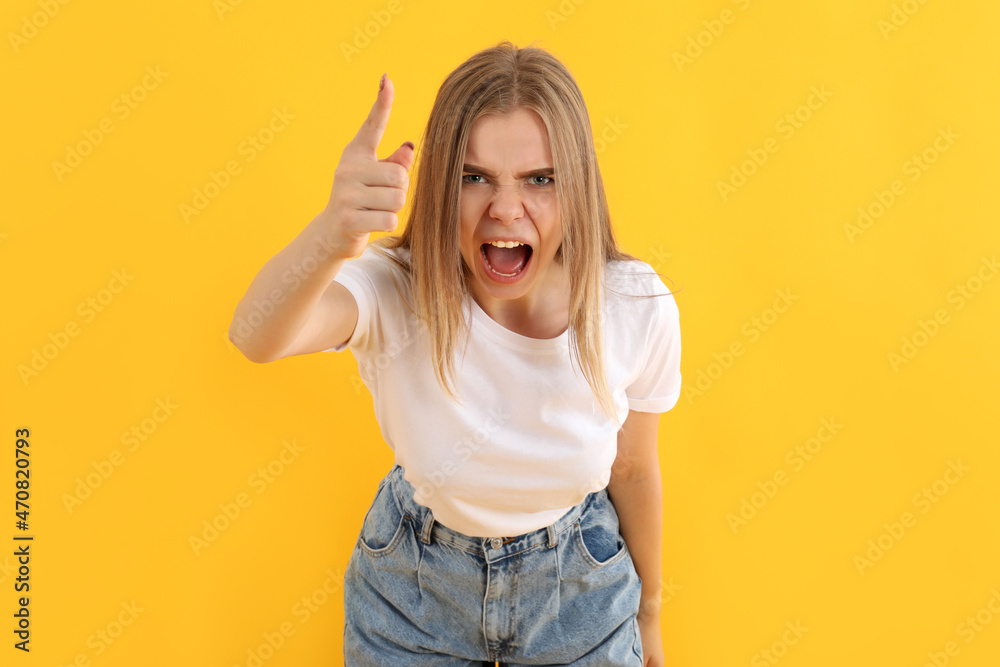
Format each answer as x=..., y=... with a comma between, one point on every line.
x=476, y=169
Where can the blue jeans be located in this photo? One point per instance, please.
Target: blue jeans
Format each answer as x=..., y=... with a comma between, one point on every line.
x=418, y=593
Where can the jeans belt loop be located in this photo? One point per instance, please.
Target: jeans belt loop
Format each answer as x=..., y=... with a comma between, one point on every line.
x=425, y=531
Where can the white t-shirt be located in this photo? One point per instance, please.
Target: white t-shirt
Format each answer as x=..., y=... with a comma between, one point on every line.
x=529, y=440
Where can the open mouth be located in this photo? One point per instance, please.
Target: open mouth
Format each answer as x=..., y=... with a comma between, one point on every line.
x=504, y=261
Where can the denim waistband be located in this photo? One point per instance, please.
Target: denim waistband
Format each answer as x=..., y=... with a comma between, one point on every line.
x=490, y=548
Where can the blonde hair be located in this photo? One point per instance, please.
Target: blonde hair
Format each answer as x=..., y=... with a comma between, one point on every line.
x=495, y=81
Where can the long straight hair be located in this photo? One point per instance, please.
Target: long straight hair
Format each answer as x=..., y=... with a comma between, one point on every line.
x=496, y=80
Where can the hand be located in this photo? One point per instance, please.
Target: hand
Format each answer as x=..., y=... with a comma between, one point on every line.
x=367, y=192
x=652, y=644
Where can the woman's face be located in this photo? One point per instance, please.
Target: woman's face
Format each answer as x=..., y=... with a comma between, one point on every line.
x=508, y=197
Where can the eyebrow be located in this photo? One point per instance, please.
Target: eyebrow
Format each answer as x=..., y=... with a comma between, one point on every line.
x=476, y=169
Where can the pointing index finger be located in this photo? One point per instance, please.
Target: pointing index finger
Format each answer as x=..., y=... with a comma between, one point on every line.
x=370, y=134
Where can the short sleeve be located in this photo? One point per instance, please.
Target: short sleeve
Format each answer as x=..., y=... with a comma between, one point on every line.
x=357, y=276
x=658, y=385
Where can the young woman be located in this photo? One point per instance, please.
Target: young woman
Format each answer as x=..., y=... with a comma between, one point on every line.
x=518, y=361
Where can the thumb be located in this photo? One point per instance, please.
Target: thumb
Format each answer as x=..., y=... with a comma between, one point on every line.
x=403, y=155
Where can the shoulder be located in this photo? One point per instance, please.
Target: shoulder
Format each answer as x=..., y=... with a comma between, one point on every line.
x=634, y=278
x=377, y=273
x=379, y=265
x=378, y=258
x=637, y=300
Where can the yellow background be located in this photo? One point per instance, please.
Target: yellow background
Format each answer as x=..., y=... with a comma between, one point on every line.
x=895, y=76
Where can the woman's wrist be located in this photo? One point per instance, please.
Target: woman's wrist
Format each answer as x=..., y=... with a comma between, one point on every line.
x=649, y=606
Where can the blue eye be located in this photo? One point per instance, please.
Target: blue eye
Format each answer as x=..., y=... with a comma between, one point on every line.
x=466, y=176
x=547, y=180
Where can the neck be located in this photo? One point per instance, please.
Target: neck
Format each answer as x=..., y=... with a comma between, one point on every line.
x=541, y=313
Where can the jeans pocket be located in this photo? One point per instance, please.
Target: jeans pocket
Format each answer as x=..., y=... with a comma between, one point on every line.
x=384, y=524
x=597, y=534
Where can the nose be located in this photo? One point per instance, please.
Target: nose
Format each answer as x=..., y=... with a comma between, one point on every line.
x=506, y=205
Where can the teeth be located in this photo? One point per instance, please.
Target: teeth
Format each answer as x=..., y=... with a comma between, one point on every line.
x=506, y=244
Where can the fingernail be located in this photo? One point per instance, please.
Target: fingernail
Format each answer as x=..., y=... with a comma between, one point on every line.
x=410, y=144
x=381, y=83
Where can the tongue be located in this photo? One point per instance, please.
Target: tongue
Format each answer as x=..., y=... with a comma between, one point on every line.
x=506, y=260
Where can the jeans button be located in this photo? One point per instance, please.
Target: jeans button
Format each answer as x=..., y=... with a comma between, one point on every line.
x=496, y=543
